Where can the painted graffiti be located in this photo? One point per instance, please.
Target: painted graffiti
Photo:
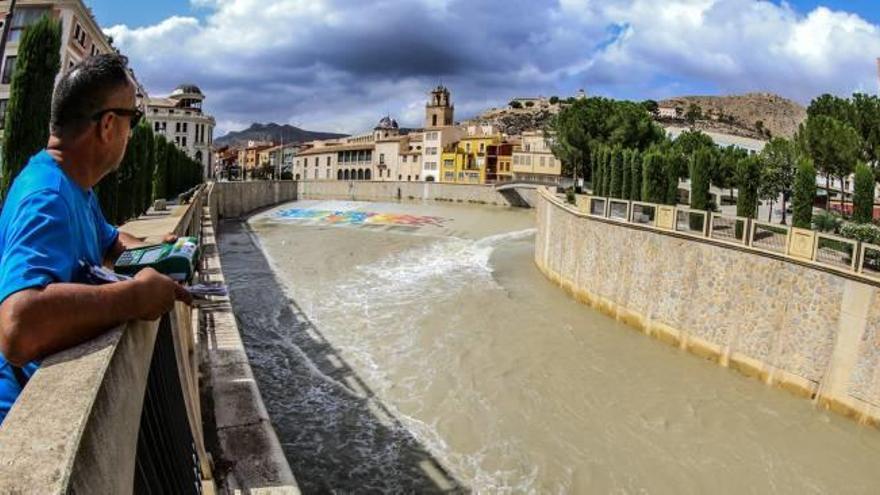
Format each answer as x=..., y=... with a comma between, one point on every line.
x=358, y=218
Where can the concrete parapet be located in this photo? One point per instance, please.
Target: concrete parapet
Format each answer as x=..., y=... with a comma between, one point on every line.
x=798, y=326
x=245, y=439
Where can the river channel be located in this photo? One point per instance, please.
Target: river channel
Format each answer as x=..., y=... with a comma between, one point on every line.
x=416, y=348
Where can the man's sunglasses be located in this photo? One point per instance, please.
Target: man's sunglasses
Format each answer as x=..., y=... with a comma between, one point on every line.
x=135, y=114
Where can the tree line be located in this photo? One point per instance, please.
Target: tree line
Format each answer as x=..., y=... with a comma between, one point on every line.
x=152, y=167
x=622, y=153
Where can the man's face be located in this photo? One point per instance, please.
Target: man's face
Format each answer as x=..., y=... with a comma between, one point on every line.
x=119, y=129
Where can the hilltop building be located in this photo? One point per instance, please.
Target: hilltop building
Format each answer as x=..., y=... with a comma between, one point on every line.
x=179, y=117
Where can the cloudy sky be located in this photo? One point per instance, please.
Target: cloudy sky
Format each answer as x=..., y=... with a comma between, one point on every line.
x=339, y=65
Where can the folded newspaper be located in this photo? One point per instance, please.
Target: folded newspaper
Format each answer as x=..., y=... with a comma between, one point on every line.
x=98, y=275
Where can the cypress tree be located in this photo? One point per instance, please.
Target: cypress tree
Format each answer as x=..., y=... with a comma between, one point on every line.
x=150, y=169
x=701, y=170
x=599, y=168
x=804, y=194
x=748, y=177
x=635, y=193
x=672, y=166
x=107, y=192
x=615, y=184
x=863, y=198
x=654, y=178
x=30, y=99
x=160, y=178
x=626, y=174
x=606, y=172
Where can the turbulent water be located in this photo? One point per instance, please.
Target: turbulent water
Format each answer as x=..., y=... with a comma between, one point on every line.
x=416, y=348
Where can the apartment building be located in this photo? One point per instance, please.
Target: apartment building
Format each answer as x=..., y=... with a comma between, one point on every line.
x=81, y=36
x=179, y=117
x=534, y=159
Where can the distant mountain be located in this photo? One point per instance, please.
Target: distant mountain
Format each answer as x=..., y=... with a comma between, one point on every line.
x=272, y=132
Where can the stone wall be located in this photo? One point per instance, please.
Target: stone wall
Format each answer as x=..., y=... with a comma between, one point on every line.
x=236, y=199
x=794, y=325
x=390, y=191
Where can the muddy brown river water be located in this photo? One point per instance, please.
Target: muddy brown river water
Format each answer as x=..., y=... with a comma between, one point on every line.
x=416, y=348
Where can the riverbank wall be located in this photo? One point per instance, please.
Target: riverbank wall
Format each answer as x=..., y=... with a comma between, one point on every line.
x=794, y=325
x=238, y=199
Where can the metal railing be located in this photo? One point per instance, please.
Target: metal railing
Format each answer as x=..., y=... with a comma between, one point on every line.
x=643, y=213
x=770, y=237
x=618, y=210
x=728, y=229
x=870, y=261
x=598, y=207
x=691, y=222
x=834, y=251
x=829, y=251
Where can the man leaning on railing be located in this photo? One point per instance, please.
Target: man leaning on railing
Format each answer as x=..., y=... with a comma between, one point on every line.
x=51, y=226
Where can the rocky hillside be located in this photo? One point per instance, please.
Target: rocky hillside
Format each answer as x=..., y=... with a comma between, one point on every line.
x=514, y=121
x=754, y=115
x=272, y=132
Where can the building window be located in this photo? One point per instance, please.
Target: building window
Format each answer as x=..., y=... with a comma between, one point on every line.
x=79, y=35
x=156, y=126
x=8, y=69
x=328, y=173
x=177, y=127
x=183, y=141
x=381, y=158
x=3, y=104
x=24, y=17
x=184, y=127
x=328, y=164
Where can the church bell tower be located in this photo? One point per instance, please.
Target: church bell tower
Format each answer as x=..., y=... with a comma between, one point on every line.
x=439, y=111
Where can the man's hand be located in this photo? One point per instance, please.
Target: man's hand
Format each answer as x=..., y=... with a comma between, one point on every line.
x=156, y=294
x=170, y=238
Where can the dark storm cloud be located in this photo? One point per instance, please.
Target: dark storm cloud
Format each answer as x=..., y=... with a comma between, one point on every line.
x=341, y=64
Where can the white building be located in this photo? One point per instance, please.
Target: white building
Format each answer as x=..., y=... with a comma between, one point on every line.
x=81, y=36
x=180, y=119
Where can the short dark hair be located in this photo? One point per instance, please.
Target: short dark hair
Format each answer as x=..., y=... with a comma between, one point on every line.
x=83, y=91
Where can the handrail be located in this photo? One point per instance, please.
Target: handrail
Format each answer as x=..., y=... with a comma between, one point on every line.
x=853, y=266
x=77, y=426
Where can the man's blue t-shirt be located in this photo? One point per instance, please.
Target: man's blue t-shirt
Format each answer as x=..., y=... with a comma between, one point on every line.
x=48, y=225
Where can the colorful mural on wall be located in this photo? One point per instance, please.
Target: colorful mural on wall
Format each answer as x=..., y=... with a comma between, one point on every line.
x=356, y=218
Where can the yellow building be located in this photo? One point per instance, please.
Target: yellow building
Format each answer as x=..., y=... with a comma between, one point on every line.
x=534, y=160
x=465, y=162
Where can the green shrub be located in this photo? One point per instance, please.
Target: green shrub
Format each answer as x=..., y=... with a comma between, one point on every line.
x=827, y=222
x=863, y=232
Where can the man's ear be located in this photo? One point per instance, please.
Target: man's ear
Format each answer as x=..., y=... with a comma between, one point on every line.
x=105, y=127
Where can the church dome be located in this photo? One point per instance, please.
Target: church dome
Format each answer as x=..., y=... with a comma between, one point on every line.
x=187, y=89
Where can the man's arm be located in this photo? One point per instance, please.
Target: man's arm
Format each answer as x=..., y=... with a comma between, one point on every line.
x=36, y=323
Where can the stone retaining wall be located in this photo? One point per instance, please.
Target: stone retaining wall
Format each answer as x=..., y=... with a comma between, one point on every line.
x=390, y=191
x=797, y=326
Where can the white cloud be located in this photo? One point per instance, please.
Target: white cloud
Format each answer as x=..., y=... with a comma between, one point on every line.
x=342, y=64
